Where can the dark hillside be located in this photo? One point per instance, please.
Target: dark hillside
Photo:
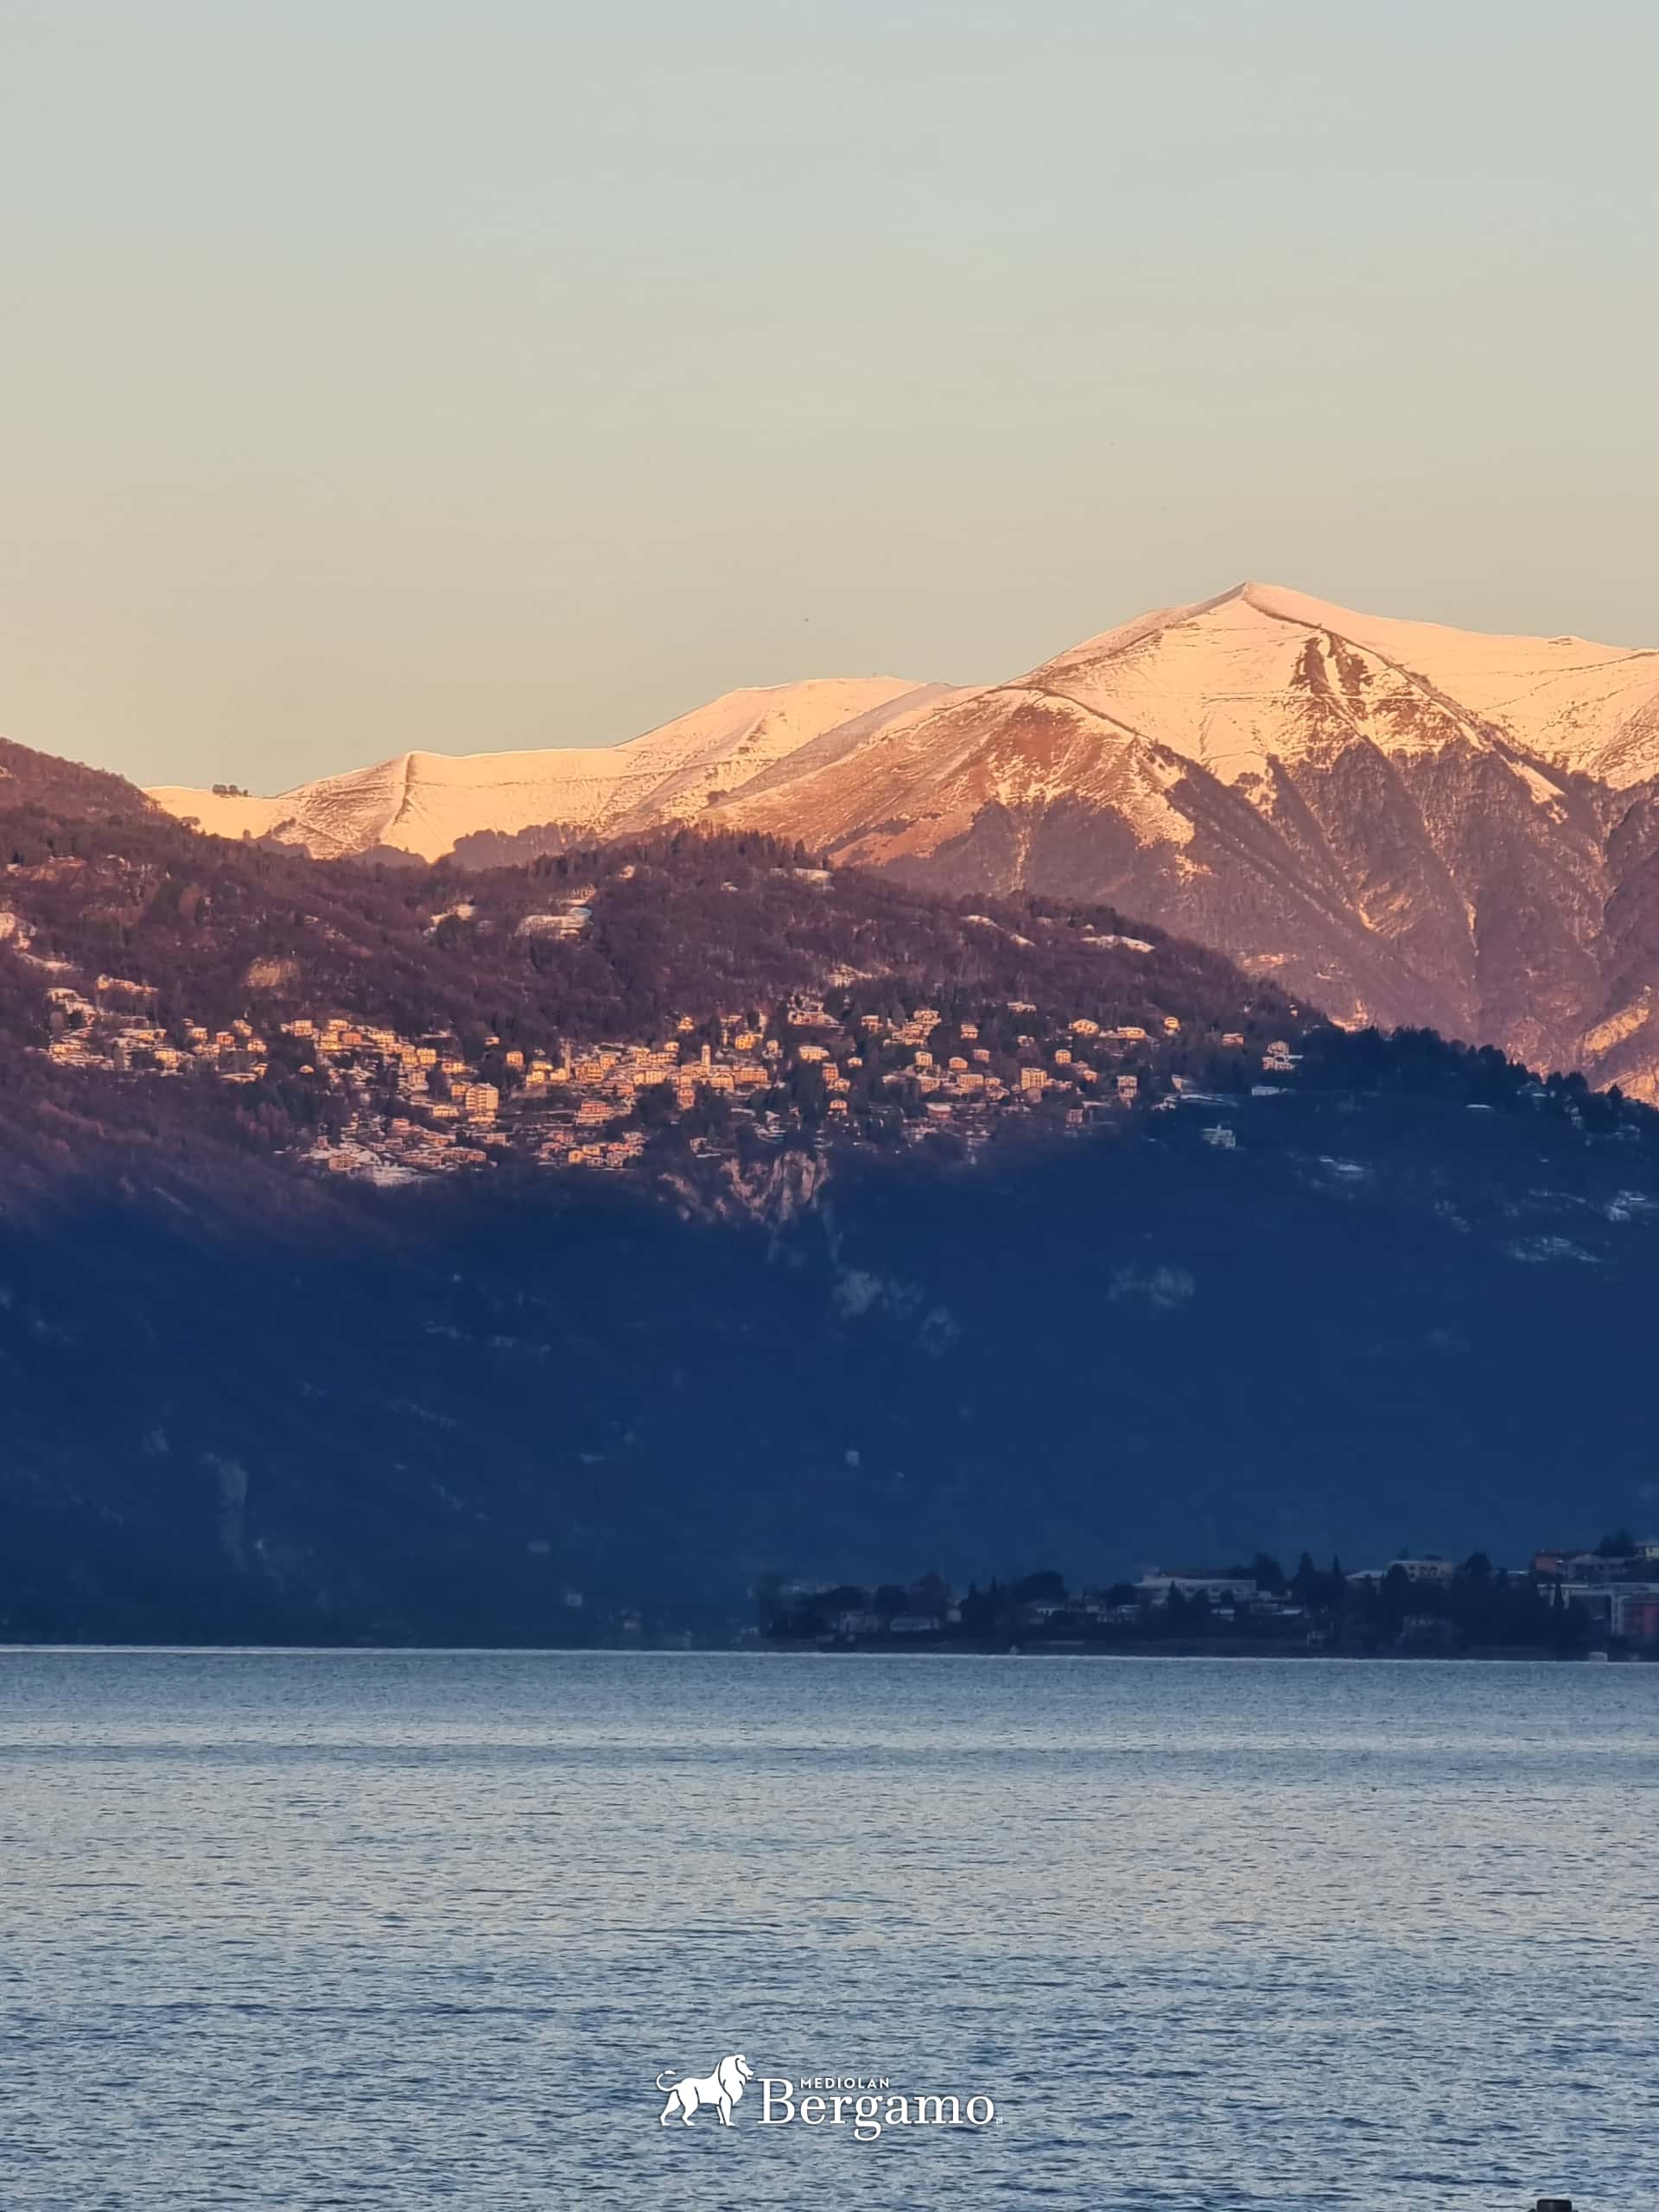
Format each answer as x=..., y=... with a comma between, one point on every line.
x=67, y=789
x=240, y=1406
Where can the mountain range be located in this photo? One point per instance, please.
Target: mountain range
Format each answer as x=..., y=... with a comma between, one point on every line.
x=1400, y=823
x=957, y=1231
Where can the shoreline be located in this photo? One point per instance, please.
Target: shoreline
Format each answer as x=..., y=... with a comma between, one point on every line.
x=1173, y=1648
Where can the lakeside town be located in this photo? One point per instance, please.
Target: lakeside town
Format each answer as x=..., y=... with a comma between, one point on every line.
x=393, y=1108
x=1601, y=1602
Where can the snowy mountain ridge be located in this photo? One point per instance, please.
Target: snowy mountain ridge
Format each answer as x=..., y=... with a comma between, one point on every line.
x=1400, y=820
x=425, y=803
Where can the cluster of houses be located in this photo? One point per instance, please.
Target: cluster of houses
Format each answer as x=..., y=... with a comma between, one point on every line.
x=1614, y=1590
x=403, y=1105
x=1618, y=1588
x=117, y=1030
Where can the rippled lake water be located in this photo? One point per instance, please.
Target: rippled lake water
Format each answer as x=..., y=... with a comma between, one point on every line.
x=291, y=1931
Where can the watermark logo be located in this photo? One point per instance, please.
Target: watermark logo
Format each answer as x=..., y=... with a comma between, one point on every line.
x=867, y=2104
x=721, y=2089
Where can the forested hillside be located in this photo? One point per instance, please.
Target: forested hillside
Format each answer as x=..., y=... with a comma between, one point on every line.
x=681, y=921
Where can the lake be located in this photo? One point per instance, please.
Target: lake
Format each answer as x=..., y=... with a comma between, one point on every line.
x=284, y=1931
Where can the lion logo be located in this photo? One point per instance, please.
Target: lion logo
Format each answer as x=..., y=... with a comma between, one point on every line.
x=721, y=2089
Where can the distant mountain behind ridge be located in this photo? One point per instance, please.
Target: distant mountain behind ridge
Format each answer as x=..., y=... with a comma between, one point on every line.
x=429, y=802
x=1400, y=823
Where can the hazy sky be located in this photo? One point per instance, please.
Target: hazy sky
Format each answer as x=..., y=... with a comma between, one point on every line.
x=467, y=373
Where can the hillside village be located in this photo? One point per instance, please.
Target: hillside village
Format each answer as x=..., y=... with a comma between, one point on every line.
x=637, y=1009
x=393, y=1107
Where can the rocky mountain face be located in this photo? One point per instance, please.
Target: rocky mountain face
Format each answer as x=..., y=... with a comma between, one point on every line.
x=1402, y=823
x=1397, y=822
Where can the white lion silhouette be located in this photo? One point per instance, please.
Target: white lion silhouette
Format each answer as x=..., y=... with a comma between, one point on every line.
x=721, y=2089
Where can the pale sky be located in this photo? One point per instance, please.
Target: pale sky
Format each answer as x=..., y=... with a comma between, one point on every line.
x=478, y=373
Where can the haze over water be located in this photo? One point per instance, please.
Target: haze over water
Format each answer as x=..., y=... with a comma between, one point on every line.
x=414, y=1931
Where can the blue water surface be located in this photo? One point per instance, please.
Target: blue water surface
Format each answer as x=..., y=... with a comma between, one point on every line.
x=282, y=1931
